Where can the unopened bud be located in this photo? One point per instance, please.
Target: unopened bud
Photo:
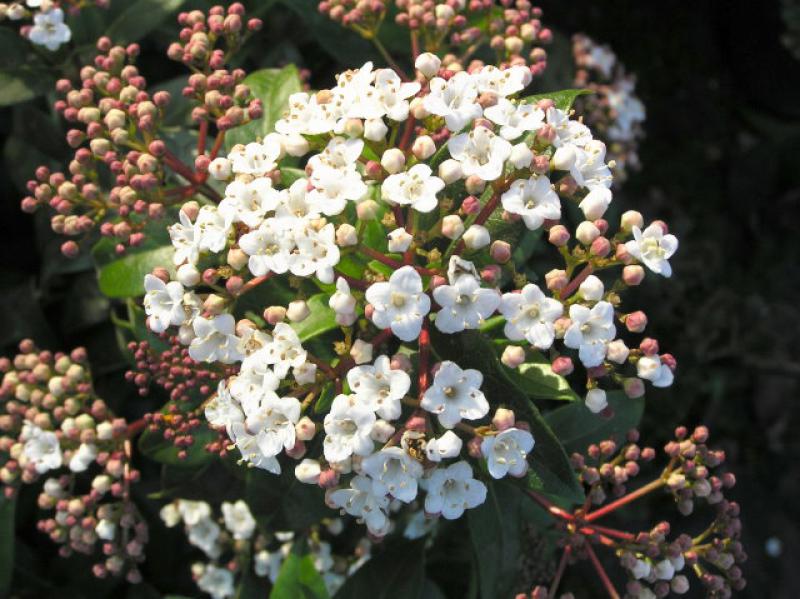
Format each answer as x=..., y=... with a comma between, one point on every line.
x=297, y=311
x=513, y=356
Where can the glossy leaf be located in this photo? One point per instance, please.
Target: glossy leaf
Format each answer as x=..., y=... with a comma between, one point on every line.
x=23, y=83
x=320, y=320
x=539, y=381
x=299, y=579
x=397, y=571
x=273, y=87
x=125, y=277
x=563, y=98
x=140, y=18
x=578, y=428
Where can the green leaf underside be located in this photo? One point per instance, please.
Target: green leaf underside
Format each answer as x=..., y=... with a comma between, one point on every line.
x=299, y=579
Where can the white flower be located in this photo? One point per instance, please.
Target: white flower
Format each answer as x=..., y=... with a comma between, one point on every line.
x=272, y=423
x=595, y=203
x=534, y=200
x=451, y=490
x=170, y=515
x=591, y=289
x=307, y=116
x=652, y=369
x=447, y=446
x=205, y=535
x=392, y=94
x=400, y=303
x=530, y=315
x=268, y=563
x=333, y=187
x=480, y=152
x=465, y=305
x=223, y=410
x=515, y=119
x=257, y=158
x=238, y=519
x=415, y=187
x=596, y=400
x=568, y=131
x=215, y=340
x=317, y=253
x=455, y=394
x=590, y=168
x=393, y=472
x=399, y=240
x=617, y=351
x=211, y=230
x=49, y=29
x=454, y=99
x=269, y=248
x=185, y=240
x=193, y=512
x=361, y=501
x=590, y=331
x=507, y=452
x=83, y=458
x=503, y=82
x=342, y=301
x=42, y=449
x=163, y=303
x=106, y=530
x=217, y=582
x=348, y=426
x=285, y=350
x=249, y=201
x=379, y=388
x=653, y=248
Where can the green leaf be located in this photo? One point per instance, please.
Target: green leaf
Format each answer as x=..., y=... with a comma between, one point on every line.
x=13, y=48
x=140, y=18
x=299, y=579
x=23, y=83
x=538, y=380
x=321, y=319
x=124, y=277
x=273, y=87
x=563, y=99
x=494, y=528
x=289, y=175
x=578, y=428
x=548, y=458
x=7, y=508
x=399, y=571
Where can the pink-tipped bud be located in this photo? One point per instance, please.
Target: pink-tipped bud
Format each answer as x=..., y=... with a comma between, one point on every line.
x=503, y=419
x=500, y=251
x=558, y=235
x=563, y=365
x=556, y=279
x=636, y=322
x=275, y=314
x=401, y=362
x=600, y=247
x=513, y=356
x=633, y=387
x=633, y=274
x=328, y=479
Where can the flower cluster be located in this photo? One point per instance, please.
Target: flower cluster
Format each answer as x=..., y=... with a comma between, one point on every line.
x=613, y=108
x=455, y=29
x=54, y=427
x=48, y=28
x=232, y=541
x=390, y=244
x=656, y=565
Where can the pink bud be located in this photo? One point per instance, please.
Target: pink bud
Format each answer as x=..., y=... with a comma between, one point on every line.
x=556, y=279
x=563, y=365
x=474, y=447
x=649, y=346
x=636, y=322
x=70, y=249
x=633, y=274
x=634, y=387
x=401, y=362
x=503, y=419
x=558, y=235
x=600, y=247
x=490, y=274
x=416, y=423
x=328, y=479
x=471, y=205
x=500, y=251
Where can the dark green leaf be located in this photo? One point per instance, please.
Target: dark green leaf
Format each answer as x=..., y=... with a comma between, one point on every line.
x=299, y=579
x=398, y=571
x=578, y=428
x=563, y=98
x=548, y=458
x=539, y=381
x=13, y=48
x=140, y=18
x=494, y=528
x=124, y=277
x=273, y=87
x=6, y=543
x=23, y=83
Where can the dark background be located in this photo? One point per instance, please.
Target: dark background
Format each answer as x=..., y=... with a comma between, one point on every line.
x=721, y=164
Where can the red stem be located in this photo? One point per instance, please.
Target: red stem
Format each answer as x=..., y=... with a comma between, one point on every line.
x=357, y=283
x=324, y=366
x=398, y=216
x=405, y=141
x=573, y=284
x=414, y=45
x=424, y=353
x=381, y=337
x=201, y=138
x=253, y=283
x=217, y=145
x=135, y=427
x=562, y=566
x=615, y=505
x=551, y=507
x=613, y=532
x=609, y=586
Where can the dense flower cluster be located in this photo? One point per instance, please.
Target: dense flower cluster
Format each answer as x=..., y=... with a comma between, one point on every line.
x=232, y=541
x=48, y=28
x=395, y=238
x=55, y=428
x=613, y=108
x=455, y=29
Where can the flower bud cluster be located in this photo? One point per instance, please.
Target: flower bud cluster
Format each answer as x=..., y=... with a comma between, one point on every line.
x=392, y=244
x=455, y=29
x=613, y=109
x=228, y=536
x=52, y=423
x=206, y=42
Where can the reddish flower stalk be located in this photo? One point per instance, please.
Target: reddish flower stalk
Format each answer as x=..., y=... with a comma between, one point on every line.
x=217, y=145
x=135, y=427
x=201, y=138
x=253, y=283
x=576, y=281
x=405, y=141
x=615, y=505
x=601, y=572
x=551, y=507
x=562, y=567
x=424, y=353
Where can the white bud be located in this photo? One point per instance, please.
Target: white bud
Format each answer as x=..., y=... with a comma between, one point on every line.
x=591, y=289
x=346, y=235
x=295, y=144
x=361, y=352
x=345, y=319
x=188, y=275
x=185, y=334
x=564, y=158
x=382, y=431
x=450, y=171
x=664, y=570
x=641, y=569
x=367, y=210
x=375, y=130
x=521, y=156
x=353, y=128
x=477, y=237
x=105, y=431
x=423, y=147
x=631, y=219
x=305, y=429
x=587, y=232
x=101, y=483
x=306, y=373
x=445, y=12
x=237, y=259
x=446, y=446
x=399, y=240
x=428, y=64
x=297, y=311
x=513, y=356
x=106, y=530
x=596, y=400
x=452, y=226
x=393, y=160
x=342, y=301
x=308, y=471
x=220, y=168
x=617, y=351
x=417, y=109
x=596, y=202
